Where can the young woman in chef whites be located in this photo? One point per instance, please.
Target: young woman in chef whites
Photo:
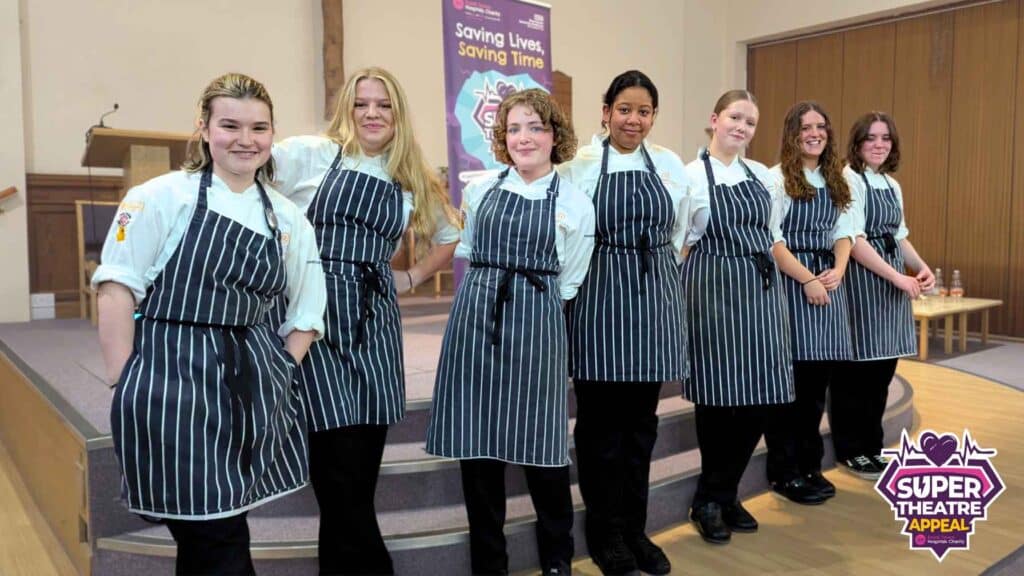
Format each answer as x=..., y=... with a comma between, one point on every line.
x=881, y=317
x=207, y=419
x=741, y=366
x=813, y=236
x=501, y=390
x=626, y=327
x=361, y=185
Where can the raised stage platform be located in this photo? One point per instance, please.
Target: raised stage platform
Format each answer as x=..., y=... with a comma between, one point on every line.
x=54, y=421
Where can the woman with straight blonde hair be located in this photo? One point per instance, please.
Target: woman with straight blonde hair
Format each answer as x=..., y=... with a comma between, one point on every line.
x=361, y=185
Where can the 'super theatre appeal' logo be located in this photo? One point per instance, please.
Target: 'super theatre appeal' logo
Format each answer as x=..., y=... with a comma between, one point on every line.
x=940, y=487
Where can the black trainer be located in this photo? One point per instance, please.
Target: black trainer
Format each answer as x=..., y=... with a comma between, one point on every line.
x=799, y=490
x=613, y=556
x=863, y=467
x=880, y=462
x=821, y=484
x=649, y=557
x=738, y=519
x=710, y=525
x=559, y=570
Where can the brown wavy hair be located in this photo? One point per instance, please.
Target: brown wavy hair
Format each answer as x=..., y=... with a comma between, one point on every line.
x=791, y=158
x=230, y=85
x=551, y=115
x=859, y=133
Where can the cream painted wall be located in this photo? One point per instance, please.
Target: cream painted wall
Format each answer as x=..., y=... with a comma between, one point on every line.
x=14, y=300
x=592, y=41
x=154, y=58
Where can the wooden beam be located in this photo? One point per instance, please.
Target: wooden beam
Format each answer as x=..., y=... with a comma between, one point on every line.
x=334, y=71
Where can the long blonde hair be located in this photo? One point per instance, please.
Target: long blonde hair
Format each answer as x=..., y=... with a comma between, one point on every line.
x=230, y=85
x=405, y=161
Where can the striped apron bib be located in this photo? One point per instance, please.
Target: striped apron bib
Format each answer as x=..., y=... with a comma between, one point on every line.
x=355, y=374
x=881, y=317
x=502, y=382
x=627, y=322
x=818, y=332
x=739, y=325
x=207, y=420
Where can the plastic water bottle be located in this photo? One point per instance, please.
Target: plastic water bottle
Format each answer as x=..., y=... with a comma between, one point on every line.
x=956, y=287
x=940, y=289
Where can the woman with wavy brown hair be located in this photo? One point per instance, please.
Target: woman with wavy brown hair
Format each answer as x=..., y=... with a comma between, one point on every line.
x=501, y=390
x=881, y=316
x=813, y=234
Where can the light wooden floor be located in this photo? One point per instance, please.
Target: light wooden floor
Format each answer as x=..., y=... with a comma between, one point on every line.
x=854, y=533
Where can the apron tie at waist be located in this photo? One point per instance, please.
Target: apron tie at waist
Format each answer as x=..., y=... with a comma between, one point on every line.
x=765, y=267
x=823, y=259
x=888, y=242
x=371, y=282
x=505, y=291
x=645, y=249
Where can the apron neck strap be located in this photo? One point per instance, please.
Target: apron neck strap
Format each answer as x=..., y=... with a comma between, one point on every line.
x=648, y=162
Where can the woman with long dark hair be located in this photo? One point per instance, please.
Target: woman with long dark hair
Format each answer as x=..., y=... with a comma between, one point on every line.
x=813, y=234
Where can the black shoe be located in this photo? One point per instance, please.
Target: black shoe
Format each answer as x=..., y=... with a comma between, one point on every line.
x=612, y=556
x=710, y=524
x=800, y=491
x=738, y=519
x=559, y=570
x=880, y=462
x=821, y=484
x=649, y=557
x=863, y=467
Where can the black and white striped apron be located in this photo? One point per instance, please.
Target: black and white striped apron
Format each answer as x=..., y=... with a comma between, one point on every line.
x=818, y=332
x=881, y=317
x=739, y=325
x=502, y=381
x=355, y=374
x=207, y=419
x=627, y=322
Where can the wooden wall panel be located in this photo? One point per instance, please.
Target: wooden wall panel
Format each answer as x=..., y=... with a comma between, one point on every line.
x=1014, y=307
x=980, y=160
x=819, y=72
x=869, y=56
x=923, y=81
x=771, y=76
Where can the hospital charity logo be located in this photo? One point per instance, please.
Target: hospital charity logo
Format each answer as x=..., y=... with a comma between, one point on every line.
x=940, y=487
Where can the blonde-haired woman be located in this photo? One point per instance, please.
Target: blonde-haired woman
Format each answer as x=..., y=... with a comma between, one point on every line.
x=202, y=254
x=361, y=184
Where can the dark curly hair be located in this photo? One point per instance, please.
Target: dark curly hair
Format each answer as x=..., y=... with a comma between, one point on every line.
x=791, y=158
x=859, y=134
x=551, y=115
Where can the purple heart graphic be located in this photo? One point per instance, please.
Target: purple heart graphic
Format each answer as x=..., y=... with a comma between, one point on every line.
x=938, y=449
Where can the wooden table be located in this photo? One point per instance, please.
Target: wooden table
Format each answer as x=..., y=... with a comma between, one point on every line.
x=935, y=308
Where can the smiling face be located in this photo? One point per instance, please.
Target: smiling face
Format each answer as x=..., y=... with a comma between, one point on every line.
x=239, y=134
x=813, y=136
x=529, y=142
x=630, y=118
x=874, y=150
x=373, y=117
x=733, y=128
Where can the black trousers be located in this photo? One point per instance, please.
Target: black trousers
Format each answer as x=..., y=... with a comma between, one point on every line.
x=616, y=428
x=483, y=487
x=726, y=436
x=792, y=434
x=859, y=394
x=213, y=547
x=343, y=468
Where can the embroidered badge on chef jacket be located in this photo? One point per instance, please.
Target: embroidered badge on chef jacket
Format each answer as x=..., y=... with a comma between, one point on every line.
x=122, y=222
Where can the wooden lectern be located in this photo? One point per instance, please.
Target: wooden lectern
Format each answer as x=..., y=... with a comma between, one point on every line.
x=142, y=155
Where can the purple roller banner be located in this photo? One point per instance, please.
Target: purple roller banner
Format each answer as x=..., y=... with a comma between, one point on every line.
x=491, y=48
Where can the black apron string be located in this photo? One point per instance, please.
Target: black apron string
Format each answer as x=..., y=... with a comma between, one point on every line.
x=888, y=240
x=370, y=282
x=504, y=293
x=823, y=259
